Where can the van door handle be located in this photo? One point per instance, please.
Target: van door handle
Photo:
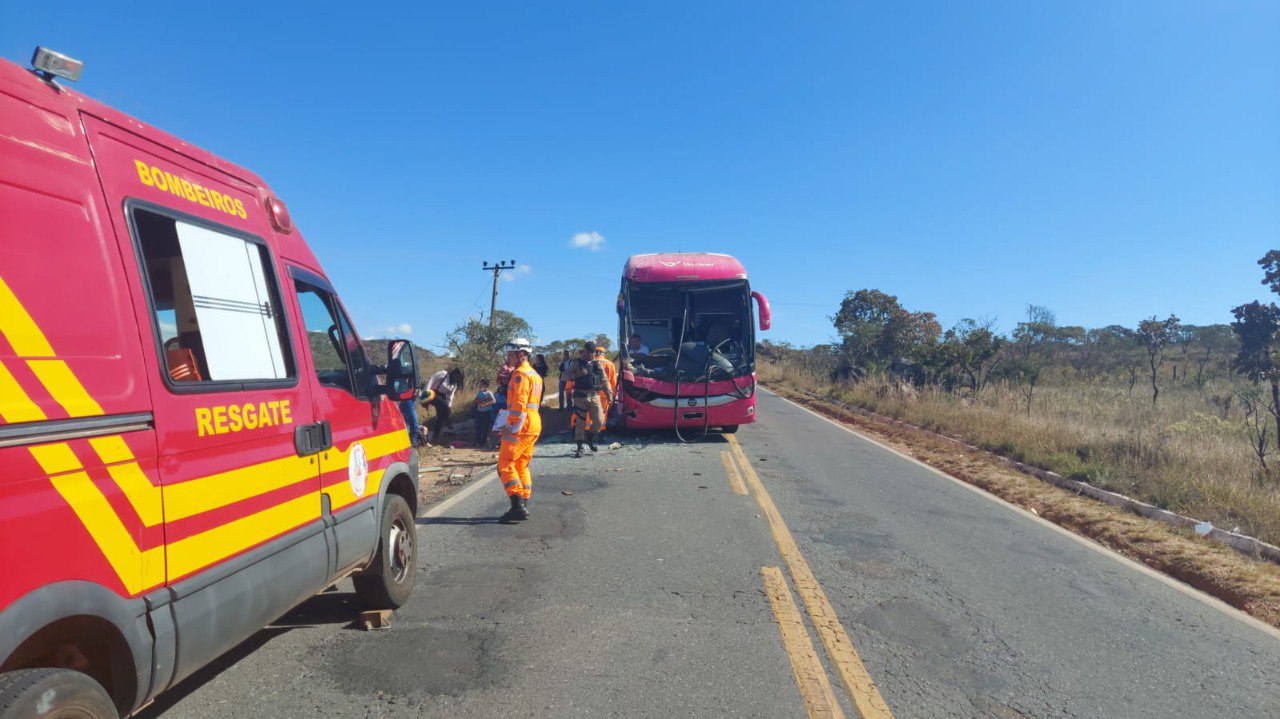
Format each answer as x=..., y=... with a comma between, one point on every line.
x=314, y=438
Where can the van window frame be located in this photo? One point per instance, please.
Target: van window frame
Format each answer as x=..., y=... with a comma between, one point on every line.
x=300, y=274
x=131, y=204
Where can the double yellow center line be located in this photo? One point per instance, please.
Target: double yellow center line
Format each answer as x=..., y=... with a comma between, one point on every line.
x=835, y=640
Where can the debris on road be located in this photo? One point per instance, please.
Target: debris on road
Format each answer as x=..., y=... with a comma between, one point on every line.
x=1204, y=529
x=616, y=445
x=431, y=469
x=566, y=492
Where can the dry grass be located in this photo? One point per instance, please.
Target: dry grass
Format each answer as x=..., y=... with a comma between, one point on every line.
x=1187, y=455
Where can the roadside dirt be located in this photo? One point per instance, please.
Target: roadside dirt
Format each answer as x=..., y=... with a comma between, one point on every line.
x=444, y=469
x=1247, y=584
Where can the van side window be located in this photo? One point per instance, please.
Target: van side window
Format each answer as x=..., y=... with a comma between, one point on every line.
x=215, y=301
x=335, y=349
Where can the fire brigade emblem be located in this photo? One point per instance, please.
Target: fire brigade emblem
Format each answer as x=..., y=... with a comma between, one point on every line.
x=357, y=469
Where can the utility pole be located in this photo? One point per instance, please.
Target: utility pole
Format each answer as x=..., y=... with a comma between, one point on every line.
x=496, y=268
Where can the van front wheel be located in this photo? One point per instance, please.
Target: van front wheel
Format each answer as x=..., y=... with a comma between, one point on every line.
x=53, y=694
x=388, y=582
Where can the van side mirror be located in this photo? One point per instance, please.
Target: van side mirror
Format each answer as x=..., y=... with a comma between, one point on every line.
x=402, y=370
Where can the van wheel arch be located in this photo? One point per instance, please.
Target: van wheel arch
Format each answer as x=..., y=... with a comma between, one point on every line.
x=403, y=486
x=79, y=623
x=85, y=643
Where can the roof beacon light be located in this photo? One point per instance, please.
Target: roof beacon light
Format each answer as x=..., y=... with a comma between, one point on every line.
x=51, y=63
x=279, y=215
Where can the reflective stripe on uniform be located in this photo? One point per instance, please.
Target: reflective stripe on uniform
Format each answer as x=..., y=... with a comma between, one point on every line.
x=531, y=407
x=511, y=483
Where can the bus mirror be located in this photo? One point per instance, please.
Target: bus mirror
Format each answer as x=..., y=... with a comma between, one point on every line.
x=402, y=370
x=766, y=318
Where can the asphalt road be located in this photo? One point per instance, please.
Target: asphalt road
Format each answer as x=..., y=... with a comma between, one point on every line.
x=636, y=589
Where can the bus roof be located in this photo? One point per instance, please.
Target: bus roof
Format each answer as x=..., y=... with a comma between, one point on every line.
x=683, y=267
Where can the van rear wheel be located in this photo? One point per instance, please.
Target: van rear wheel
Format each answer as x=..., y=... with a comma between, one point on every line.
x=729, y=428
x=53, y=694
x=388, y=582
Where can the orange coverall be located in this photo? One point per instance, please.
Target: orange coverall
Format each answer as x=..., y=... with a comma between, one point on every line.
x=521, y=431
x=611, y=376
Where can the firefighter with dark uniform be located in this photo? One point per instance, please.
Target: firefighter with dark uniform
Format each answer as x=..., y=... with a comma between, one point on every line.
x=520, y=431
x=591, y=390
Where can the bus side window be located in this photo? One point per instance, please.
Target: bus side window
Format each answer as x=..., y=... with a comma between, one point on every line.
x=335, y=350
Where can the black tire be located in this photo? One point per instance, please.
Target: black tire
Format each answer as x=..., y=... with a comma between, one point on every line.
x=53, y=694
x=729, y=429
x=388, y=582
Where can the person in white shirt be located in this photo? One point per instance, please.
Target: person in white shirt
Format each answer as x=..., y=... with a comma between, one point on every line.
x=636, y=347
x=444, y=383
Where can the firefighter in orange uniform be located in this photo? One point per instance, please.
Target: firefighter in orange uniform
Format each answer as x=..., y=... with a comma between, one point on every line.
x=606, y=397
x=521, y=430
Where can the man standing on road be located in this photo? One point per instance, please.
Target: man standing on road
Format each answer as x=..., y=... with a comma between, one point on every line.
x=565, y=361
x=590, y=387
x=521, y=430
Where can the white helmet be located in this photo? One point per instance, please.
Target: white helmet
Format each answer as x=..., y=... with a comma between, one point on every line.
x=518, y=344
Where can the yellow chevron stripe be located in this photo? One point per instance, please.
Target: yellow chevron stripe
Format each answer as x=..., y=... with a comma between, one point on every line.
x=145, y=496
x=201, y=550
x=138, y=571
x=197, y=496
x=341, y=495
x=112, y=449
x=15, y=405
x=56, y=458
x=18, y=327
x=374, y=447
x=66, y=390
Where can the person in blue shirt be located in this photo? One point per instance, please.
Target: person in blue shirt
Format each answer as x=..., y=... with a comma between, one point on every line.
x=486, y=408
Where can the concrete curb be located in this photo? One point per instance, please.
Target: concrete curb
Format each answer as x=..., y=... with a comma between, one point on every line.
x=1249, y=546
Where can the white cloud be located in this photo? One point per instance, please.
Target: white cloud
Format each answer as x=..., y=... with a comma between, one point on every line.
x=590, y=240
x=519, y=271
x=404, y=328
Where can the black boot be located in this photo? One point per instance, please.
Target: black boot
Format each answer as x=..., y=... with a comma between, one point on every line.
x=578, y=452
x=517, y=513
x=591, y=441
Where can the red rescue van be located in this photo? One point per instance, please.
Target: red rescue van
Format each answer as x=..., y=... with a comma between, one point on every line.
x=192, y=438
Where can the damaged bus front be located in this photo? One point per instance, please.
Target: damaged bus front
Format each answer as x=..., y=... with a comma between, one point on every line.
x=687, y=332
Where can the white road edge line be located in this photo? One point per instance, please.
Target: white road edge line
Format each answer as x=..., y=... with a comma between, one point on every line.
x=1206, y=599
x=480, y=482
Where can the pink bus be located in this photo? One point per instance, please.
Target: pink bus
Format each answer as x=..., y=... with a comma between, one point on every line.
x=695, y=365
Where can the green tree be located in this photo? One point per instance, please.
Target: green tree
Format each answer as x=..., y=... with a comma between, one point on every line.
x=1257, y=326
x=1032, y=343
x=1156, y=335
x=876, y=330
x=970, y=352
x=477, y=346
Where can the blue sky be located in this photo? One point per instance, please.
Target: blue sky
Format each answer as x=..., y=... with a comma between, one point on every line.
x=1108, y=160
